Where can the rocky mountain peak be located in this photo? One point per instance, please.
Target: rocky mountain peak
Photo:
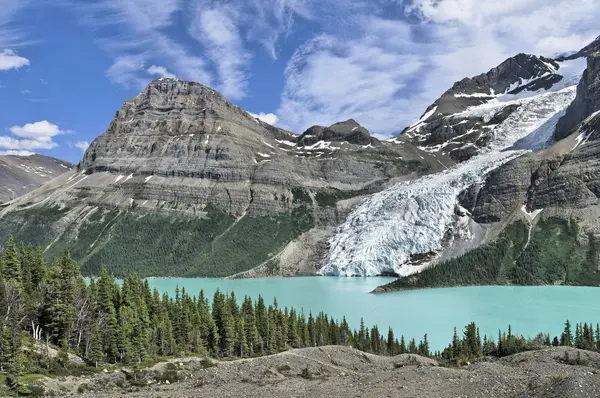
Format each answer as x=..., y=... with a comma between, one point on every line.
x=173, y=98
x=585, y=103
x=347, y=131
x=172, y=120
x=513, y=73
x=586, y=51
x=477, y=111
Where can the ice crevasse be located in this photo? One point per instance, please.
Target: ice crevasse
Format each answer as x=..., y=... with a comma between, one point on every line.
x=383, y=233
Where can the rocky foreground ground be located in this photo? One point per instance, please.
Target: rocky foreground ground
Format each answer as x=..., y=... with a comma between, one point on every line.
x=346, y=372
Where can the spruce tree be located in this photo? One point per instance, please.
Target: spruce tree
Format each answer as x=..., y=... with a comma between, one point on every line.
x=96, y=355
x=403, y=349
x=11, y=270
x=390, y=343
x=566, y=337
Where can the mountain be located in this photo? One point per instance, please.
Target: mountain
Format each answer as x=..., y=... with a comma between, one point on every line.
x=185, y=183
x=21, y=174
x=465, y=119
x=410, y=228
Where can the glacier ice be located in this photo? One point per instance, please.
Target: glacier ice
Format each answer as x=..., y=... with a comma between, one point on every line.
x=383, y=233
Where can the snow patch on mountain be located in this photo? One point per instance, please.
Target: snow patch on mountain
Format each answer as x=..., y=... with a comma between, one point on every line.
x=421, y=121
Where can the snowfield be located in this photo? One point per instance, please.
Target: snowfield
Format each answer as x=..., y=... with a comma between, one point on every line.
x=384, y=231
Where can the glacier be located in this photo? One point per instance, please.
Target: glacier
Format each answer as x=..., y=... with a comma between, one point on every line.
x=417, y=218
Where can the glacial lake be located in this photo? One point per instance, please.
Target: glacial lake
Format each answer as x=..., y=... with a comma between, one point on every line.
x=529, y=310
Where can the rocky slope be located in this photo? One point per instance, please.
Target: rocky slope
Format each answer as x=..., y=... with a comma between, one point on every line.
x=341, y=371
x=22, y=174
x=562, y=180
x=183, y=182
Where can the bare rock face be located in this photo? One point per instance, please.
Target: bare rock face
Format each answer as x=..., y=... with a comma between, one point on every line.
x=187, y=131
x=565, y=177
x=22, y=174
x=586, y=102
x=349, y=132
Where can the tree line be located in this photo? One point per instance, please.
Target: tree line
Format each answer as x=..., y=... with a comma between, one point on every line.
x=552, y=255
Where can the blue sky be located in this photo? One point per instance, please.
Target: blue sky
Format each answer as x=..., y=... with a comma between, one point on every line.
x=66, y=66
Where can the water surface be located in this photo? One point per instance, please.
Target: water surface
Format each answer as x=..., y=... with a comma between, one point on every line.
x=529, y=310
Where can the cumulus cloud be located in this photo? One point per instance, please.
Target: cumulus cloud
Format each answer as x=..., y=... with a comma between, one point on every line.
x=11, y=60
x=83, y=145
x=269, y=118
x=161, y=71
x=16, y=153
x=31, y=136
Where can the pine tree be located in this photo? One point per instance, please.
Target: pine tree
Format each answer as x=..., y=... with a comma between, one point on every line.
x=227, y=332
x=566, y=338
x=390, y=343
x=96, y=354
x=11, y=270
x=455, y=345
x=424, y=347
x=403, y=349
x=108, y=313
x=241, y=344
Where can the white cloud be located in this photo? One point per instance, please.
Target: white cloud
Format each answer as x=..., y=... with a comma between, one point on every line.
x=16, y=153
x=216, y=29
x=331, y=79
x=11, y=60
x=37, y=130
x=269, y=118
x=136, y=37
x=11, y=37
x=26, y=92
x=83, y=145
x=31, y=136
x=161, y=71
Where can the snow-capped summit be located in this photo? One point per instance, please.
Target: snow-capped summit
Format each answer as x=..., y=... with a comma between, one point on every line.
x=464, y=120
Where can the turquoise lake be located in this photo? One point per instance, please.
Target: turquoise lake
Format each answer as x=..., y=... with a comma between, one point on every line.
x=529, y=310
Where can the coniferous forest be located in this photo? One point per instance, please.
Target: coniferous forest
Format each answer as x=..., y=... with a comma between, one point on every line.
x=48, y=313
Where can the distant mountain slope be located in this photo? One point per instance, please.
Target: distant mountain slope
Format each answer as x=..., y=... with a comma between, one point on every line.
x=184, y=183
x=22, y=174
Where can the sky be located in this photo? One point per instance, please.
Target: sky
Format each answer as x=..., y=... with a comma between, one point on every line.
x=66, y=66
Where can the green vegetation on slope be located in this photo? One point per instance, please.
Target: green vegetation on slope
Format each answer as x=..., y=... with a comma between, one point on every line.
x=154, y=244
x=553, y=255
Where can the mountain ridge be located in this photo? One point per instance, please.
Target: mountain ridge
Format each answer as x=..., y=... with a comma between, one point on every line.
x=22, y=174
x=205, y=189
